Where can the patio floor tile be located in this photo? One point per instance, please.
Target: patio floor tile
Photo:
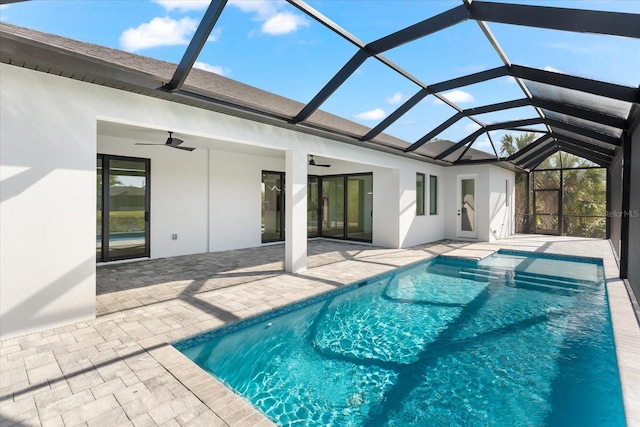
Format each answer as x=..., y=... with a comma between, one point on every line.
x=118, y=370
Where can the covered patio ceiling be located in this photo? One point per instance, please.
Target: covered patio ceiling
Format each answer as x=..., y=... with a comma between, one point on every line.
x=578, y=115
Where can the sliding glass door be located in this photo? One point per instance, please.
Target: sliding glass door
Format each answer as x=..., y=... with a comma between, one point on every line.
x=272, y=206
x=359, y=207
x=313, y=207
x=123, y=208
x=333, y=206
x=340, y=206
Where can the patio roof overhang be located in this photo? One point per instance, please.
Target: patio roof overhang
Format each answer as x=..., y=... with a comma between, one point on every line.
x=581, y=116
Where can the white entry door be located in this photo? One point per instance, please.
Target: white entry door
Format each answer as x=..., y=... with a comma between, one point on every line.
x=466, y=210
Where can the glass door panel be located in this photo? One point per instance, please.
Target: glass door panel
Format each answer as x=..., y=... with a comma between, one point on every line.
x=127, y=208
x=359, y=207
x=467, y=208
x=333, y=206
x=272, y=206
x=312, y=207
x=99, y=210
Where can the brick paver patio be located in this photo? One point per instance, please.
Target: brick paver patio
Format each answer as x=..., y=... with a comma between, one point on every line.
x=119, y=370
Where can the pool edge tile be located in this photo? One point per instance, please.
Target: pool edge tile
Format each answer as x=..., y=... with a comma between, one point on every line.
x=190, y=375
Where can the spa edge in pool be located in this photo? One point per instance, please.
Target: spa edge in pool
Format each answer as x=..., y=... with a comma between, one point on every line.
x=515, y=339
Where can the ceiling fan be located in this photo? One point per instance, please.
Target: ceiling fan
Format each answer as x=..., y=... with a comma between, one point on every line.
x=171, y=142
x=313, y=163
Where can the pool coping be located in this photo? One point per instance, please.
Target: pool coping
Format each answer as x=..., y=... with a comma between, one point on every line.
x=233, y=410
x=230, y=408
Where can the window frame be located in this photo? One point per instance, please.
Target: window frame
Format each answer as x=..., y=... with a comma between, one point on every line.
x=420, y=195
x=433, y=208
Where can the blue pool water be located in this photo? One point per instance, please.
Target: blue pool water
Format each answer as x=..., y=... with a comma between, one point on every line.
x=512, y=340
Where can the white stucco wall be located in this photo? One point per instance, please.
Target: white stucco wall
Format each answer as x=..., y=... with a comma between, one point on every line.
x=501, y=216
x=209, y=197
x=494, y=220
x=47, y=204
x=235, y=198
x=178, y=190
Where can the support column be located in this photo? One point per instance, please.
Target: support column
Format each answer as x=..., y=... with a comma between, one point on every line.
x=295, y=242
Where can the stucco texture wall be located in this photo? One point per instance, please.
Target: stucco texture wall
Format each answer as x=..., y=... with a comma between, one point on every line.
x=211, y=197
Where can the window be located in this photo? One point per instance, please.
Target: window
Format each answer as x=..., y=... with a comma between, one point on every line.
x=433, y=195
x=420, y=194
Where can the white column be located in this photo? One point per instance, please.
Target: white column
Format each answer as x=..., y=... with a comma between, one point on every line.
x=295, y=242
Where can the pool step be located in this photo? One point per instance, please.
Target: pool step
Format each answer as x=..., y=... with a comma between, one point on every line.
x=555, y=280
x=523, y=281
x=482, y=275
x=519, y=279
x=543, y=287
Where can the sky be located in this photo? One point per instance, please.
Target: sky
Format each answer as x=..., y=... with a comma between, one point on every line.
x=273, y=46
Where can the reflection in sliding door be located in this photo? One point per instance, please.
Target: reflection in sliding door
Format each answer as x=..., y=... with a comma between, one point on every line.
x=272, y=206
x=99, y=210
x=127, y=208
x=312, y=207
x=359, y=207
x=333, y=206
x=122, y=211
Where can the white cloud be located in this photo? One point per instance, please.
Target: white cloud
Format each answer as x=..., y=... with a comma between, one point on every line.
x=158, y=32
x=274, y=21
x=214, y=35
x=395, y=99
x=283, y=23
x=223, y=71
x=472, y=127
x=553, y=70
x=456, y=96
x=483, y=145
x=183, y=5
x=3, y=7
x=375, y=114
x=264, y=9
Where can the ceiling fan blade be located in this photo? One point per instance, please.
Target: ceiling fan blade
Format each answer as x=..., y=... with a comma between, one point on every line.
x=324, y=166
x=182, y=148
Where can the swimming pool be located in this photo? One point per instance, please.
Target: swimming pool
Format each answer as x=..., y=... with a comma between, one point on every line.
x=513, y=339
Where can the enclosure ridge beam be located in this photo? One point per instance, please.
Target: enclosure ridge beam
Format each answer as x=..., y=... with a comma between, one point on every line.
x=581, y=113
x=556, y=18
x=465, y=113
x=588, y=145
x=589, y=133
x=538, y=158
x=591, y=156
x=595, y=87
x=495, y=126
x=531, y=147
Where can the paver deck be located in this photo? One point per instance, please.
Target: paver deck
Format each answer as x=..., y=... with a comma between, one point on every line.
x=119, y=370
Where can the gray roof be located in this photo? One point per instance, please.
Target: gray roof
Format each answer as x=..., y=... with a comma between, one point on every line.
x=115, y=68
x=582, y=116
